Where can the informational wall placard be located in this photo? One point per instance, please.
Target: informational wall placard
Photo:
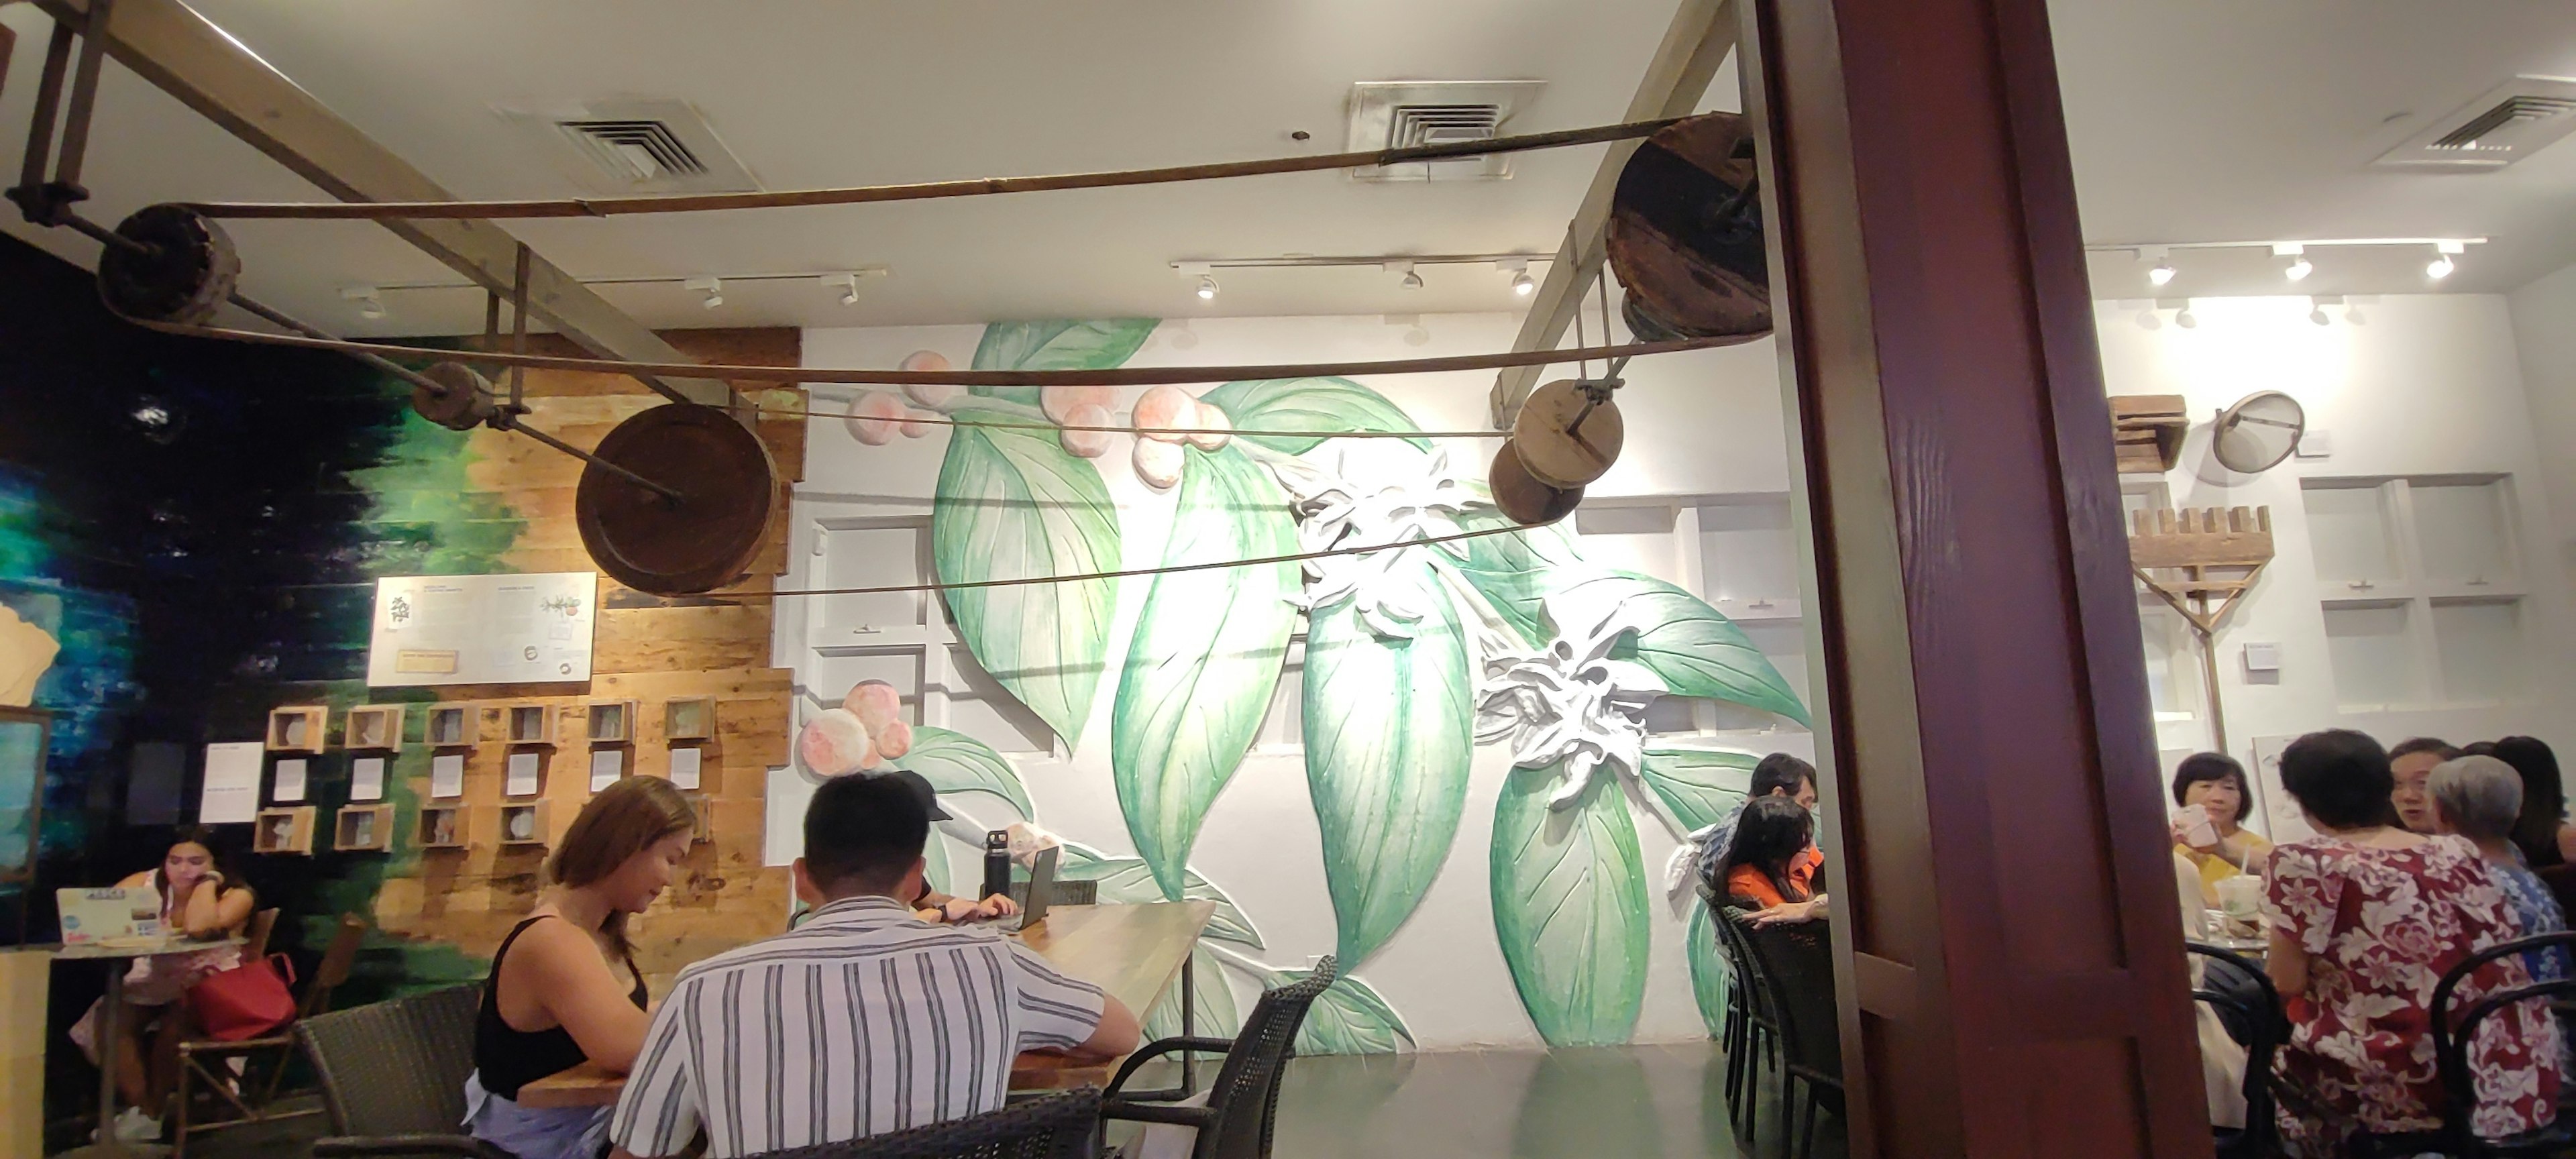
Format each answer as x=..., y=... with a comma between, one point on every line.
x=482, y=629
x=231, y=793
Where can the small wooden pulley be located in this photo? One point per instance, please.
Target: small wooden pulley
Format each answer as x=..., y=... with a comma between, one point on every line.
x=702, y=540
x=187, y=266
x=467, y=403
x=1685, y=235
x=1568, y=433
x=1523, y=499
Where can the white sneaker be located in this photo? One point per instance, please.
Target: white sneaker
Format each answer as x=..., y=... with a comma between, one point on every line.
x=133, y=1126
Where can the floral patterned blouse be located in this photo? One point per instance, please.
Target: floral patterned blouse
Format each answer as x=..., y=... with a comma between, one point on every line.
x=2380, y=927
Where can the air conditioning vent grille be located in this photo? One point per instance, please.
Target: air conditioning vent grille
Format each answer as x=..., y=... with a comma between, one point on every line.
x=1407, y=114
x=2512, y=112
x=635, y=150
x=1415, y=125
x=2508, y=123
x=631, y=145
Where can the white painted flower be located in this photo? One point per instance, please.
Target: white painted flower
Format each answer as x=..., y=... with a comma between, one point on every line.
x=1572, y=701
x=1389, y=494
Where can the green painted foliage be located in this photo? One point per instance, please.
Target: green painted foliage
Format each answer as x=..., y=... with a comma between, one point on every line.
x=1126, y=880
x=1212, y=1011
x=1055, y=345
x=1700, y=786
x=1515, y=571
x=1694, y=647
x=956, y=763
x=1348, y=1018
x=1206, y=656
x=1307, y=404
x=1389, y=731
x=1708, y=975
x=1013, y=504
x=1571, y=908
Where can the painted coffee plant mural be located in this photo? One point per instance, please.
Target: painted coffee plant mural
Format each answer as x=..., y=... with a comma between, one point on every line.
x=1415, y=654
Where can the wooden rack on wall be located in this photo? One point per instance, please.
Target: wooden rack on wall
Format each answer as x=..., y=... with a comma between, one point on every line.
x=2193, y=556
x=374, y=726
x=298, y=728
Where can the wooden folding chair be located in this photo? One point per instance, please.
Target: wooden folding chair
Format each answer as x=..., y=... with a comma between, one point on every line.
x=196, y=1055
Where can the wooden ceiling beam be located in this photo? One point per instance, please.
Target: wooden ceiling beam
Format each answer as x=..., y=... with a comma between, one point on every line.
x=184, y=54
x=1677, y=77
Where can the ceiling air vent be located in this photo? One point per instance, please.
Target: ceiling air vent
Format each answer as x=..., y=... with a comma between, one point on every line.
x=2509, y=123
x=634, y=146
x=1402, y=114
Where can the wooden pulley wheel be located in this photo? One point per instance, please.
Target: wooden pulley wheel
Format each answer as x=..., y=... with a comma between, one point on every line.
x=1685, y=235
x=1525, y=500
x=467, y=403
x=703, y=539
x=189, y=268
x=1561, y=443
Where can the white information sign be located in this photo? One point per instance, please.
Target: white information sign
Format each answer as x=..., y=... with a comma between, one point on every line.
x=231, y=794
x=447, y=775
x=367, y=779
x=290, y=780
x=482, y=629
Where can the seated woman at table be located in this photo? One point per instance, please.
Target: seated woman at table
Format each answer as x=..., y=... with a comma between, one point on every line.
x=2216, y=783
x=2365, y=919
x=1770, y=866
x=199, y=899
x=557, y=997
x=2411, y=762
x=2542, y=832
x=2480, y=798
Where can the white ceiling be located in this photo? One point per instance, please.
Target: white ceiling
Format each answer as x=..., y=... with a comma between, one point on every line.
x=2191, y=120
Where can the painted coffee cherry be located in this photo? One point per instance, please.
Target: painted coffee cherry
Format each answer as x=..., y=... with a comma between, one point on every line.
x=875, y=703
x=1163, y=410
x=1158, y=463
x=936, y=396
x=834, y=743
x=1060, y=402
x=1211, y=418
x=1088, y=444
x=874, y=416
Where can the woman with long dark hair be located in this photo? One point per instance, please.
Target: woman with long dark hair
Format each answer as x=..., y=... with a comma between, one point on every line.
x=1770, y=866
x=201, y=897
x=564, y=989
x=2541, y=832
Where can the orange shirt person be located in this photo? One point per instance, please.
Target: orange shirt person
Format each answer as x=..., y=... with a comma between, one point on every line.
x=1770, y=866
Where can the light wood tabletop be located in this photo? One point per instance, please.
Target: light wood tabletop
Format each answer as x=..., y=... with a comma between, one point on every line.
x=1134, y=952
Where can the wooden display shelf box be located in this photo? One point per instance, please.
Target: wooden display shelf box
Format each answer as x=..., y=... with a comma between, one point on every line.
x=530, y=723
x=286, y=829
x=441, y=827
x=689, y=718
x=298, y=728
x=612, y=722
x=523, y=824
x=374, y=726
x=700, y=807
x=451, y=725
x=363, y=829
x=2147, y=432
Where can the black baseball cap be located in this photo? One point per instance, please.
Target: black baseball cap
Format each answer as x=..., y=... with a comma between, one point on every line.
x=921, y=790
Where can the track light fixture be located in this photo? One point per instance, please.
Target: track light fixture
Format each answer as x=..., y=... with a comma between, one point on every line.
x=2162, y=271
x=2442, y=265
x=1412, y=280
x=2299, y=267
x=713, y=288
x=369, y=301
x=1523, y=285
x=1207, y=288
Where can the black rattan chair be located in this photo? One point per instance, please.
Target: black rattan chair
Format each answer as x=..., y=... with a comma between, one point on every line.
x=1060, y=1126
x=1751, y=1035
x=1794, y=965
x=2247, y=1004
x=2454, y=1030
x=393, y=1075
x=1243, y=1102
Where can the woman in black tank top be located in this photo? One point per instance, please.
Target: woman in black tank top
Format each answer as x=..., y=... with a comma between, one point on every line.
x=555, y=998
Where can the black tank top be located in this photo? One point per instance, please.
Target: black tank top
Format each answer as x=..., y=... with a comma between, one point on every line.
x=508, y=1059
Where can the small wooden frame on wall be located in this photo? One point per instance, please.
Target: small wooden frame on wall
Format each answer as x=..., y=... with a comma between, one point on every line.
x=689, y=718
x=530, y=723
x=441, y=827
x=612, y=722
x=2147, y=431
x=374, y=726
x=285, y=830
x=451, y=725
x=297, y=728
x=524, y=824
x=363, y=829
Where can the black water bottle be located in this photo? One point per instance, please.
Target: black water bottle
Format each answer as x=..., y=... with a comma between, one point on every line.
x=997, y=863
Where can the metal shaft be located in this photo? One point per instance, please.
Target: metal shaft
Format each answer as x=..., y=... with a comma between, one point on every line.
x=93, y=58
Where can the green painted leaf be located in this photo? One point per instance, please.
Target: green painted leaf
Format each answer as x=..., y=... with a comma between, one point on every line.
x=1207, y=653
x=935, y=868
x=1570, y=907
x=1702, y=786
x=1010, y=505
x=1709, y=978
x=1056, y=345
x=1389, y=732
x=1127, y=880
x=954, y=762
x=1694, y=647
x=1515, y=572
x=1212, y=1011
x=1307, y=404
x=1348, y=1018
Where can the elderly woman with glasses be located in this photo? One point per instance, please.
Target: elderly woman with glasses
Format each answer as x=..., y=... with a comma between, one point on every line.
x=2480, y=798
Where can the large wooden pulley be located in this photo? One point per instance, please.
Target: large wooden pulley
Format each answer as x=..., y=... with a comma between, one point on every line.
x=1565, y=437
x=1685, y=235
x=1522, y=498
x=466, y=404
x=707, y=536
x=186, y=268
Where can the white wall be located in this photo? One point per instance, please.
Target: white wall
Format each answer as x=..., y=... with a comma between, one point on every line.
x=2417, y=385
x=2544, y=328
x=1702, y=427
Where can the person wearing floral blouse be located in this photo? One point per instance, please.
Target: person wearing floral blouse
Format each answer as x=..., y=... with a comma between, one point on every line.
x=2365, y=918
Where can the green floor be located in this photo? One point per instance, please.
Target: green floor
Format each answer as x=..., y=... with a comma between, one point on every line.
x=1631, y=1102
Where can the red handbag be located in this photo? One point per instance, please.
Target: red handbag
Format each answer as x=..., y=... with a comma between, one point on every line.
x=246, y=1001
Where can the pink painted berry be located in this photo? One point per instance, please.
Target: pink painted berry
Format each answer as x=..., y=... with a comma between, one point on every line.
x=873, y=417
x=875, y=703
x=1060, y=402
x=1158, y=463
x=835, y=743
x=1211, y=418
x=895, y=741
x=1088, y=444
x=912, y=426
x=936, y=396
x=1163, y=410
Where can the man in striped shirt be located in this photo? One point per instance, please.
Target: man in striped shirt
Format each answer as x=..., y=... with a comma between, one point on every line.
x=861, y=1021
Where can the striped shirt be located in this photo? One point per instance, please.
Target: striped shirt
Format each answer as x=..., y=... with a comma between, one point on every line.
x=863, y=1020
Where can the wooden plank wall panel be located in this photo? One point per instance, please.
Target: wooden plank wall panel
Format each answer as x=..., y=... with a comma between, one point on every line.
x=646, y=649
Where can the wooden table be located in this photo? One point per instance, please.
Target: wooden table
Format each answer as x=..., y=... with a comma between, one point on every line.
x=110, y=1037
x=1132, y=951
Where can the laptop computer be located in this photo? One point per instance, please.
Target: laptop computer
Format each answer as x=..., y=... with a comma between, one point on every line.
x=1033, y=907
x=112, y=917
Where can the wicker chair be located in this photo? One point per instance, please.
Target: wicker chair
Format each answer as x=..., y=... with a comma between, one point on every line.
x=194, y=1054
x=2454, y=1029
x=1751, y=1034
x=1243, y=1102
x=1058, y=1126
x=1795, y=969
x=393, y=1075
x=2250, y=1008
